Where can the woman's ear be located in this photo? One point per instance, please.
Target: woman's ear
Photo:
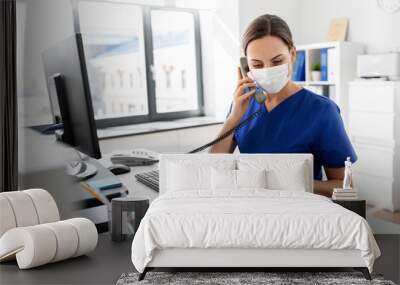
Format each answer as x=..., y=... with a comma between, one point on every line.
x=293, y=55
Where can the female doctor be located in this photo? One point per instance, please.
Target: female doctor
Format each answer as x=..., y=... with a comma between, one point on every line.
x=292, y=119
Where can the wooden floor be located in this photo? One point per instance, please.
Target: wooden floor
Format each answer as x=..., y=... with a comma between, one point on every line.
x=106, y=264
x=103, y=266
x=389, y=216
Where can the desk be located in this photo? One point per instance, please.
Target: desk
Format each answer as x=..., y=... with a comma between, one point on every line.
x=100, y=213
x=135, y=188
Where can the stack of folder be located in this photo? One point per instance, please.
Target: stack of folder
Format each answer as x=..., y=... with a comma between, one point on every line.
x=344, y=194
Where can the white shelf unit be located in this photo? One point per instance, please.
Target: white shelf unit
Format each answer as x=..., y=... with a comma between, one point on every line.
x=343, y=68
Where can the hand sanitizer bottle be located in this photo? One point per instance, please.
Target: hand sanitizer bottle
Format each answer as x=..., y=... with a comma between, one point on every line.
x=347, y=175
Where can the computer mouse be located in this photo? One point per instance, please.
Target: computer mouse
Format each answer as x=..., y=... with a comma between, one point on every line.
x=118, y=169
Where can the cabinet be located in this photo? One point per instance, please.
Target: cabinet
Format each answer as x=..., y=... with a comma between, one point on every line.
x=356, y=206
x=374, y=128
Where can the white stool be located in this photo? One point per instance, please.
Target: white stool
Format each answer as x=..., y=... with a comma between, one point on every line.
x=31, y=232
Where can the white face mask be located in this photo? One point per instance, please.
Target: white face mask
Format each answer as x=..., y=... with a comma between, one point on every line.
x=271, y=79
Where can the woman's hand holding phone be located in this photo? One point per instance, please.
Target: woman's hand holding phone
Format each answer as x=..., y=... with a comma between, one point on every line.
x=241, y=97
x=245, y=88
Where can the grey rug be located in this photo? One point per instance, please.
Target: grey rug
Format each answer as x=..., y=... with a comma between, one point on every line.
x=230, y=278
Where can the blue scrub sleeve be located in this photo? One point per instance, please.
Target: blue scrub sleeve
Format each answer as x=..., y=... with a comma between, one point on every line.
x=332, y=145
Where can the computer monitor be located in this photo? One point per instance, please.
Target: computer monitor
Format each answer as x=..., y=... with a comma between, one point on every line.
x=53, y=98
x=66, y=74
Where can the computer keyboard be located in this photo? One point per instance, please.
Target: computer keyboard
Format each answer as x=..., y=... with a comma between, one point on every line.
x=149, y=179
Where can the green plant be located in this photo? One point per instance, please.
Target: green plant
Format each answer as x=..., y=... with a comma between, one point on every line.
x=316, y=67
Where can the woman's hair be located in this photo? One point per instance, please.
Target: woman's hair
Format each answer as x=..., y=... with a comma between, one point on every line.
x=267, y=25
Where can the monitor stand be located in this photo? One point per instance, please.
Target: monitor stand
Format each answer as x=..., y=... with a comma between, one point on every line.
x=81, y=169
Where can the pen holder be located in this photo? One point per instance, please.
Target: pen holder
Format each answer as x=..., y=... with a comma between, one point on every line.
x=127, y=212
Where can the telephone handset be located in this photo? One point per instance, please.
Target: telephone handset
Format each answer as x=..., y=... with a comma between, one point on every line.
x=244, y=68
x=260, y=98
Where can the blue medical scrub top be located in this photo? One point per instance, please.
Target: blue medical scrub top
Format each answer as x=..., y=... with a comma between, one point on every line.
x=303, y=123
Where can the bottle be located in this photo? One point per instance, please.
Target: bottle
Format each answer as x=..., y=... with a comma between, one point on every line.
x=347, y=175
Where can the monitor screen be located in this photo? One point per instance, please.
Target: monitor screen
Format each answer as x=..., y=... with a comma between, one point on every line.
x=66, y=62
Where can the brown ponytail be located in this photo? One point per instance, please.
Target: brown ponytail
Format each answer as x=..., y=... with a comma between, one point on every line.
x=267, y=25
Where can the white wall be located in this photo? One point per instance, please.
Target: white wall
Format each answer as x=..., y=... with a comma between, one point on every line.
x=288, y=10
x=309, y=20
x=368, y=23
x=41, y=23
x=225, y=49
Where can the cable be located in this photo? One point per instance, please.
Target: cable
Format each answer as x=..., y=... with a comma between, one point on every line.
x=154, y=184
x=229, y=132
